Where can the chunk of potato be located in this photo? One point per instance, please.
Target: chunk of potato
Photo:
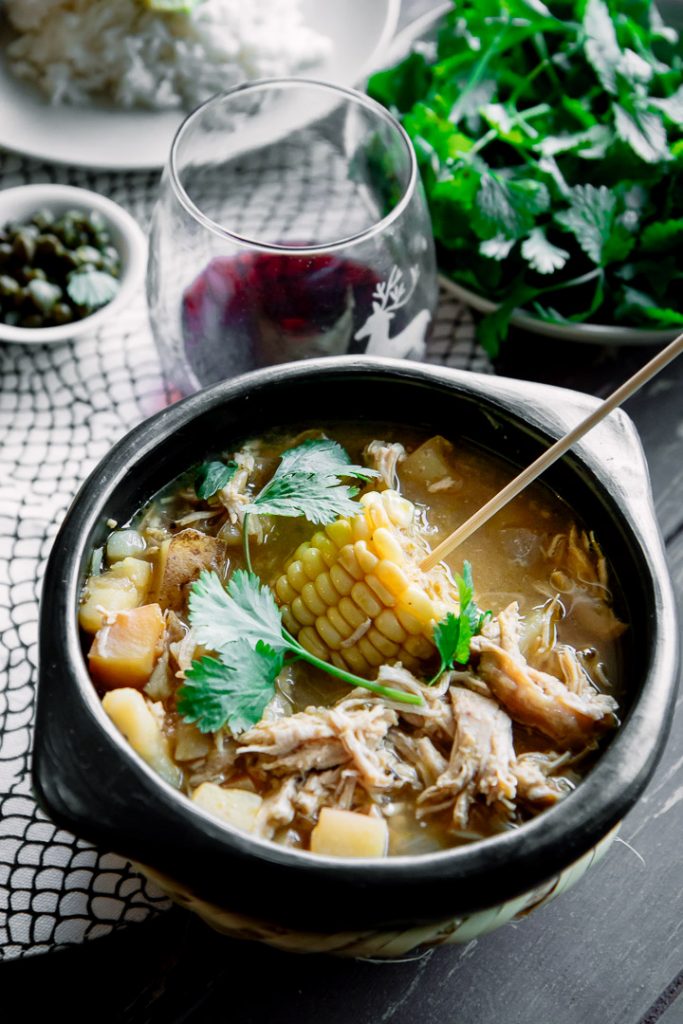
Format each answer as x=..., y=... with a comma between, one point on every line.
x=432, y=463
x=125, y=650
x=132, y=715
x=180, y=561
x=349, y=834
x=237, y=807
x=190, y=743
x=123, y=586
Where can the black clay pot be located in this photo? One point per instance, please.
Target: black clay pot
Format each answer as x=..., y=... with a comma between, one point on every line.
x=90, y=781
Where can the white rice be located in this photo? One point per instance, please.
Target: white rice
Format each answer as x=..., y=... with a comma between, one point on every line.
x=78, y=49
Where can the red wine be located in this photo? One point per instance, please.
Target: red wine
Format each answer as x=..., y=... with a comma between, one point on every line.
x=257, y=309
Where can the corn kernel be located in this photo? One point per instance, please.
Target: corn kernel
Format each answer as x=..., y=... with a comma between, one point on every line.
x=366, y=600
x=355, y=660
x=393, y=578
x=312, y=600
x=370, y=652
x=301, y=612
x=352, y=613
x=417, y=602
x=341, y=580
x=399, y=510
x=328, y=633
x=408, y=621
x=313, y=562
x=387, y=623
x=366, y=560
x=289, y=622
x=361, y=530
x=309, y=638
x=326, y=547
x=340, y=532
x=339, y=623
x=325, y=588
x=419, y=647
x=378, y=588
x=336, y=659
x=387, y=546
x=296, y=576
x=385, y=647
x=347, y=558
x=284, y=590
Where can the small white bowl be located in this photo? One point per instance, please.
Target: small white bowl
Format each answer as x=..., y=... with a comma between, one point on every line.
x=19, y=204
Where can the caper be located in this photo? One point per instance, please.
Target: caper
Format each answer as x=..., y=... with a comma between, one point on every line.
x=24, y=245
x=32, y=320
x=43, y=219
x=62, y=314
x=33, y=274
x=5, y=254
x=43, y=295
x=9, y=287
x=88, y=254
x=48, y=247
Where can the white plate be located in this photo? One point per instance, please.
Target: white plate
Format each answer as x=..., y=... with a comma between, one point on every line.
x=110, y=139
x=424, y=28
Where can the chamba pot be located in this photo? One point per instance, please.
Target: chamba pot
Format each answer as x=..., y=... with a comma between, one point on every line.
x=90, y=781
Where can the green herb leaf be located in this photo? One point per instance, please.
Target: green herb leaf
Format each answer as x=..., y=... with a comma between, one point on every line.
x=245, y=610
x=543, y=256
x=212, y=477
x=454, y=633
x=308, y=483
x=671, y=106
x=234, y=691
x=662, y=236
x=90, y=289
x=508, y=208
x=643, y=131
x=601, y=45
x=590, y=218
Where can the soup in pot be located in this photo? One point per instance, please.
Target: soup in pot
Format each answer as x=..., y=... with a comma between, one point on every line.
x=264, y=635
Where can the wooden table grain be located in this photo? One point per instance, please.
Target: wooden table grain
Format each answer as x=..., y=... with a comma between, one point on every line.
x=610, y=951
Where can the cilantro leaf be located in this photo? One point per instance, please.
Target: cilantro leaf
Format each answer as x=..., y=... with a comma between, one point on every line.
x=321, y=455
x=453, y=634
x=308, y=483
x=590, y=218
x=671, y=106
x=212, y=477
x=244, y=610
x=91, y=289
x=233, y=691
x=507, y=207
x=543, y=256
x=643, y=131
x=662, y=236
x=601, y=46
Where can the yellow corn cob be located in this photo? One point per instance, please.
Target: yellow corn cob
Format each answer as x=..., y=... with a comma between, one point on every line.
x=355, y=595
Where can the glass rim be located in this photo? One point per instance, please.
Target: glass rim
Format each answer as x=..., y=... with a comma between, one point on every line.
x=262, y=84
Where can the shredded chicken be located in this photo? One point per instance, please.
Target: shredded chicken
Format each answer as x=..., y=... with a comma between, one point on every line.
x=534, y=697
x=385, y=457
x=481, y=760
x=321, y=738
x=535, y=783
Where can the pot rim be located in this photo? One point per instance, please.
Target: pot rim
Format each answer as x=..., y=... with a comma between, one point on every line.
x=599, y=802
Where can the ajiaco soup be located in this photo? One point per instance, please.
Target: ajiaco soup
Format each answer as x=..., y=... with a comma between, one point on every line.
x=264, y=637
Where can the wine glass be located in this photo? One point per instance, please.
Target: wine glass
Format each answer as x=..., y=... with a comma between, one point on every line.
x=291, y=222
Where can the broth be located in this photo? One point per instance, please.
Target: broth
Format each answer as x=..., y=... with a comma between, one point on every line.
x=478, y=763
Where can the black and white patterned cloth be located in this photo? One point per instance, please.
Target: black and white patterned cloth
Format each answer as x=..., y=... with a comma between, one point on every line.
x=62, y=407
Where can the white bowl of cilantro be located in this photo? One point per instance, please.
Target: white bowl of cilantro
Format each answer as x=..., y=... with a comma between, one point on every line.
x=551, y=150
x=69, y=258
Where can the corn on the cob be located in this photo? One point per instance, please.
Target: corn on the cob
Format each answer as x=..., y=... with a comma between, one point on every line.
x=354, y=594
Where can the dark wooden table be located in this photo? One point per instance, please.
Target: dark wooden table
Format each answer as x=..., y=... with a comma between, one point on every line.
x=608, y=952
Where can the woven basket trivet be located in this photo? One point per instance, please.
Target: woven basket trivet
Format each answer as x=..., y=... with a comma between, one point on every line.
x=61, y=409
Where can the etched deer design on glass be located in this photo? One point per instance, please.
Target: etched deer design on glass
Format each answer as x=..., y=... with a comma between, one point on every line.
x=388, y=297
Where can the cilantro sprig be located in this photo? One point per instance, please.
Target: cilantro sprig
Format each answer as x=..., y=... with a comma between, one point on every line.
x=453, y=634
x=308, y=483
x=550, y=142
x=212, y=477
x=243, y=624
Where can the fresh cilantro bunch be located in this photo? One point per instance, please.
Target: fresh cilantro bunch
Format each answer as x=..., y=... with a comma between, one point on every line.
x=550, y=142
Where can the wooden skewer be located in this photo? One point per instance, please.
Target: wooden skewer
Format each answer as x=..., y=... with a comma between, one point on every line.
x=556, y=451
